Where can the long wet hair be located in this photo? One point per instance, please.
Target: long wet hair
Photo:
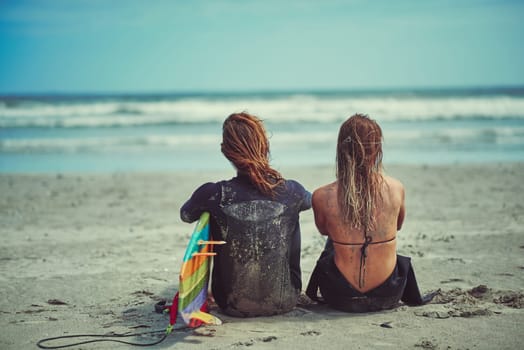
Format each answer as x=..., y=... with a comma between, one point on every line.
x=359, y=170
x=245, y=144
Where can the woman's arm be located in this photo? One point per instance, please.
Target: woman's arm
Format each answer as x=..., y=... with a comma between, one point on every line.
x=319, y=211
x=402, y=211
x=198, y=203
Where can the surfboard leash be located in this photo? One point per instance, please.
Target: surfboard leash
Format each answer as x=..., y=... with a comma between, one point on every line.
x=107, y=338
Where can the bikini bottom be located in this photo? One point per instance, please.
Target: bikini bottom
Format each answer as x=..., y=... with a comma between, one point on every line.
x=338, y=293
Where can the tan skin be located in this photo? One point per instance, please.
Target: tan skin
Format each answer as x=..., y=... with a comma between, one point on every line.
x=381, y=258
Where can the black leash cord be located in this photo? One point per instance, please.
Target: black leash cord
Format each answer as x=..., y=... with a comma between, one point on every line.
x=41, y=346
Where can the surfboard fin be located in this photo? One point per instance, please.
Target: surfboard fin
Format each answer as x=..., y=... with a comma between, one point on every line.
x=201, y=242
x=206, y=318
x=204, y=254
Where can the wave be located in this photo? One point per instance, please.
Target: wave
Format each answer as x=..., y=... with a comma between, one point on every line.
x=105, y=144
x=278, y=110
x=298, y=140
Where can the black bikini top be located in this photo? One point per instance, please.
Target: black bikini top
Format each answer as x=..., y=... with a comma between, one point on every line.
x=363, y=253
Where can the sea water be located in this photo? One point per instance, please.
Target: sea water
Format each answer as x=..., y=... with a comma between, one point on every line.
x=165, y=132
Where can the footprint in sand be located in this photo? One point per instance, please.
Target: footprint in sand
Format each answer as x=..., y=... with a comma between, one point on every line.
x=451, y=280
x=250, y=342
x=426, y=344
x=310, y=333
x=471, y=303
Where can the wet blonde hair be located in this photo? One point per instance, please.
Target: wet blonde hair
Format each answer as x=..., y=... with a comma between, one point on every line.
x=359, y=170
x=245, y=144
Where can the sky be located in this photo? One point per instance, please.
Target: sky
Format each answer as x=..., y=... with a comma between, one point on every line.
x=100, y=46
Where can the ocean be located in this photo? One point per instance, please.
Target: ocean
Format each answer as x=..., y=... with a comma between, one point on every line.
x=167, y=132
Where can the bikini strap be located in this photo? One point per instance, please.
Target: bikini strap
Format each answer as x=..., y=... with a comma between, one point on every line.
x=377, y=242
x=363, y=256
x=364, y=253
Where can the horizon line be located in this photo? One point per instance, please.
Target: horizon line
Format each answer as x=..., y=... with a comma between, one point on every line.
x=220, y=92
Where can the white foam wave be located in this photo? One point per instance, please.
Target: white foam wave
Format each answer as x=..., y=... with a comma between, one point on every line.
x=291, y=109
x=278, y=140
x=456, y=136
x=105, y=144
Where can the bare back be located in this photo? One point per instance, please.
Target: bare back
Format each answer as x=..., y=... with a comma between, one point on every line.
x=380, y=258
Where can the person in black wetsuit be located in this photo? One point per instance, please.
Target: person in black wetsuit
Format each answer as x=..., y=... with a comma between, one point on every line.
x=257, y=271
x=361, y=212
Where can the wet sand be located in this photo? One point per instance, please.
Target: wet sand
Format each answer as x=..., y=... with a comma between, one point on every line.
x=86, y=253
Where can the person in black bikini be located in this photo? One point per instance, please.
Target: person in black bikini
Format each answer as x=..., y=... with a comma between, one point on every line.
x=361, y=212
x=257, y=271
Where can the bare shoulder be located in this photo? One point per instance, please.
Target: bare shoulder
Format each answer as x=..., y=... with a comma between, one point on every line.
x=395, y=188
x=393, y=183
x=322, y=194
x=325, y=190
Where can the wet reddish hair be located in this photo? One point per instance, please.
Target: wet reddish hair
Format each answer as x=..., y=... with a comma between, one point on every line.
x=359, y=170
x=245, y=144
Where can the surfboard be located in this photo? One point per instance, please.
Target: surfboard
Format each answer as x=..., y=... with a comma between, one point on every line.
x=191, y=299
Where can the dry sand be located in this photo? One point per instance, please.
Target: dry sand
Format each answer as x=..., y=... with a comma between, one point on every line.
x=109, y=246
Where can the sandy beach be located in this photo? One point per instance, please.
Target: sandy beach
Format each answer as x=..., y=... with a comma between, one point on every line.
x=93, y=253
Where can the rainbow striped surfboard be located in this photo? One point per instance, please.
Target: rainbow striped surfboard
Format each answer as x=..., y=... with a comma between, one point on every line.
x=191, y=299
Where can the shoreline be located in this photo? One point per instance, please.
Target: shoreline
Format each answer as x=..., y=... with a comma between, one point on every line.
x=110, y=246
x=226, y=169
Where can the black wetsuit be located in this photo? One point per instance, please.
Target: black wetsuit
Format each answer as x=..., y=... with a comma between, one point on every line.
x=257, y=272
x=337, y=292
